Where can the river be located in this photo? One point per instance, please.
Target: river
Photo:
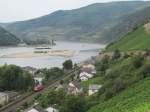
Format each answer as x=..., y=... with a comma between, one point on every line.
x=83, y=51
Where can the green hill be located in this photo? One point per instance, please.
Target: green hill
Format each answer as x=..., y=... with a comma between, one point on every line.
x=84, y=24
x=136, y=40
x=134, y=99
x=7, y=38
x=125, y=85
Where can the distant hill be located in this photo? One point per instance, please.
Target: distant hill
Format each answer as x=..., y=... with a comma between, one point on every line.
x=139, y=39
x=128, y=24
x=7, y=38
x=84, y=24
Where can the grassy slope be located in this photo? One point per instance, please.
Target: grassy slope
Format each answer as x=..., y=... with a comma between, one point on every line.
x=137, y=40
x=134, y=99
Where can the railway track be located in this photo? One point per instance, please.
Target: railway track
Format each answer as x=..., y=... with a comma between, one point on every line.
x=19, y=102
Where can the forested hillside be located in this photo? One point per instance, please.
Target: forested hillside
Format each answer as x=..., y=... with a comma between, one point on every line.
x=84, y=24
x=7, y=38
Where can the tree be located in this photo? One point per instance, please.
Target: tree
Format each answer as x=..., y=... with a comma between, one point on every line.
x=52, y=74
x=74, y=104
x=145, y=70
x=14, y=78
x=52, y=97
x=102, y=66
x=68, y=65
x=137, y=61
x=116, y=54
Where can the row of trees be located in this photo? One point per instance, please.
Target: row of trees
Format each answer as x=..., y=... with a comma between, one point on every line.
x=14, y=78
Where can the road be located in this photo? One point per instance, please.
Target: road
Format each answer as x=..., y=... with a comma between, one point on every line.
x=19, y=102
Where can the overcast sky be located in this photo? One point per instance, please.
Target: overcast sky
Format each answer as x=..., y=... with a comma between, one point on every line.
x=16, y=10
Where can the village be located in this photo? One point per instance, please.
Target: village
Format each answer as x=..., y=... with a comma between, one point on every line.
x=73, y=86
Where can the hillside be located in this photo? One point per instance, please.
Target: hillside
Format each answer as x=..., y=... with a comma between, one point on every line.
x=128, y=23
x=139, y=39
x=125, y=83
x=7, y=38
x=85, y=24
x=134, y=99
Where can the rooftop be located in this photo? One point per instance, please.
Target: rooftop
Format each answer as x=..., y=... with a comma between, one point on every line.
x=3, y=93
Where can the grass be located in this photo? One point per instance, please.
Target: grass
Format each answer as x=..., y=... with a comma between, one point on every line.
x=134, y=99
x=136, y=40
x=95, y=80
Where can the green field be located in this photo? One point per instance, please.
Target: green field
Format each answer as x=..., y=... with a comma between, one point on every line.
x=137, y=40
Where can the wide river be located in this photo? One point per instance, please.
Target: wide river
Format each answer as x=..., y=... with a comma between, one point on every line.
x=83, y=51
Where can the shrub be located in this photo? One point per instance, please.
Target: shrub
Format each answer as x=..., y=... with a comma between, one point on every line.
x=118, y=86
x=108, y=94
x=145, y=70
x=137, y=61
x=116, y=54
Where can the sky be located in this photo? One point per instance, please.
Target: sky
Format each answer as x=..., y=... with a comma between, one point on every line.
x=18, y=10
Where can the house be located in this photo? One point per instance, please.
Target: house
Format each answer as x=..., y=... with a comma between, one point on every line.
x=59, y=86
x=38, y=108
x=4, y=98
x=51, y=109
x=7, y=96
x=84, y=76
x=89, y=68
x=94, y=89
x=12, y=95
x=33, y=110
x=74, y=87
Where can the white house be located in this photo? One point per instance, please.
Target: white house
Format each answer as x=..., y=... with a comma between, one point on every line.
x=89, y=68
x=74, y=88
x=51, y=109
x=32, y=110
x=94, y=89
x=4, y=98
x=84, y=76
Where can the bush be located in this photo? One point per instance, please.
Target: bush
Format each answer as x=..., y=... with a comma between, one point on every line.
x=74, y=104
x=102, y=65
x=145, y=71
x=116, y=54
x=137, y=61
x=52, y=97
x=108, y=94
x=118, y=86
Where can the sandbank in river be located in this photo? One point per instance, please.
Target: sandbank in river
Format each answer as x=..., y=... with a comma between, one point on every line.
x=61, y=53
